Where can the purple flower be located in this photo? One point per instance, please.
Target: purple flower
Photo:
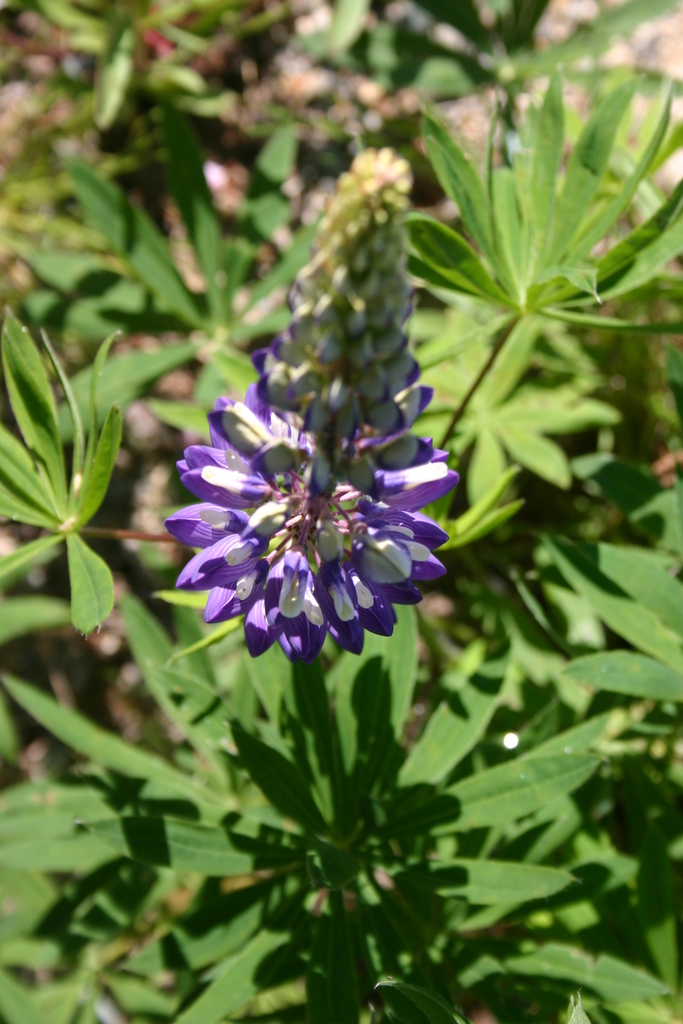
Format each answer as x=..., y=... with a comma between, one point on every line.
x=300, y=548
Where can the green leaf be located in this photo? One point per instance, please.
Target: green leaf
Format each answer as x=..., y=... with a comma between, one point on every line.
x=435, y=1009
x=238, y=981
x=181, y=415
x=460, y=181
x=510, y=243
x=186, y=177
x=21, y=615
x=643, y=579
x=78, y=436
x=455, y=262
x=637, y=494
x=104, y=748
x=490, y=522
x=331, y=987
x=97, y=479
x=124, y=378
x=608, y=323
x=626, y=617
x=454, y=727
x=347, y=24
x=308, y=703
x=509, y=791
x=9, y=738
x=23, y=556
x=214, y=637
x=623, y=254
x=114, y=71
x=80, y=852
x=538, y=454
x=586, y=167
x=578, y=1013
x=329, y=867
x=34, y=406
x=21, y=489
x=465, y=523
x=183, y=598
x=628, y=188
x=674, y=373
x=486, y=467
x=209, y=851
x=136, y=238
x=489, y=882
x=17, y=1005
x=277, y=159
x=547, y=154
x=612, y=979
x=656, y=903
x=278, y=779
x=92, y=585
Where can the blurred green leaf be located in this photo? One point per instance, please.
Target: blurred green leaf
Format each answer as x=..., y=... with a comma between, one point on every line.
x=453, y=259
x=134, y=236
x=25, y=555
x=191, y=192
x=347, y=23
x=656, y=903
x=585, y=169
x=624, y=672
x=20, y=615
x=114, y=71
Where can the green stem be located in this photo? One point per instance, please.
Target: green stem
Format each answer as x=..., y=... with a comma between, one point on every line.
x=154, y=538
x=460, y=411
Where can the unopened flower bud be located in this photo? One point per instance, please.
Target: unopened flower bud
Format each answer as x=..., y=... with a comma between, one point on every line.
x=330, y=542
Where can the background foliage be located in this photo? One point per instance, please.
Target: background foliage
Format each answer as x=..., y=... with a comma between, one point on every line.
x=483, y=815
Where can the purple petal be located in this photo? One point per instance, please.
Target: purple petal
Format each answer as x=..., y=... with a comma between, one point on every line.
x=258, y=635
x=226, y=602
x=242, y=491
x=402, y=593
x=337, y=598
x=199, y=526
x=412, y=489
x=429, y=569
x=375, y=612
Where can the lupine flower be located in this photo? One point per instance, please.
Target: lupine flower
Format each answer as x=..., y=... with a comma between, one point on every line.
x=309, y=520
x=301, y=563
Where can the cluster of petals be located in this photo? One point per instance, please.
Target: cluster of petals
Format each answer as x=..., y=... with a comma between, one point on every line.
x=299, y=562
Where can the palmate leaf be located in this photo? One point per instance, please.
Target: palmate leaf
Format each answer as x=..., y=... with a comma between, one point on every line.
x=21, y=559
x=17, y=1005
x=460, y=181
x=547, y=154
x=586, y=167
